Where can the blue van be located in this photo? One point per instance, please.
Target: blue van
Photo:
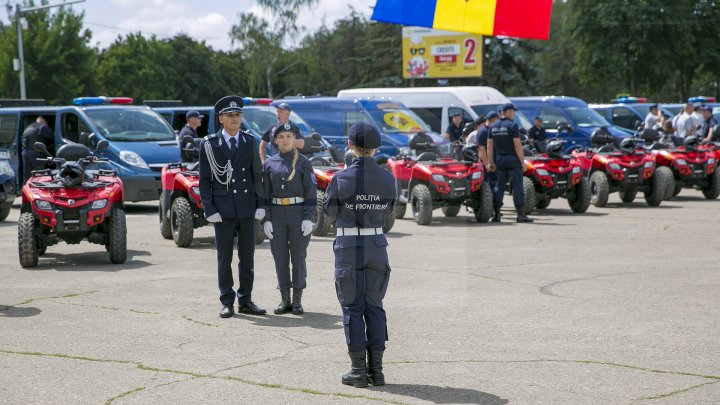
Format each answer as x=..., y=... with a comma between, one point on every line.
x=8, y=181
x=141, y=141
x=569, y=110
x=332, y=117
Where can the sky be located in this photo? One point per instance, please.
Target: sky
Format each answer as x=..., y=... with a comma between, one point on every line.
x=208, y=20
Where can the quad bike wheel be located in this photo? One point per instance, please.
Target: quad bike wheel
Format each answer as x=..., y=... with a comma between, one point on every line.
x=165, y=229
x=656, y=193
x=669, y=181
x=543, y=203
x=389, y=222
x=579, y=202
x=42, y=248
x=321, y=223
x=181, y=222
x=484, y=210
x=677, y=190
x=628, y=196
x=5, y=211
x=712, y=191
x=451, y=210
x=117, y=237
x=27, y=240
x=530, y=197
x=421, y=202
x=599, y=189
x=399, y=208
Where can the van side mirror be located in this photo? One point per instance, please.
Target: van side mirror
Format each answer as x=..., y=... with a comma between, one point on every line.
x=102, y=144
x=316, y=136
x=40, y=147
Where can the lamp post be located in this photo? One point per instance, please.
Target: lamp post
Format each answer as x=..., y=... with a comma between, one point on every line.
x=19, y=12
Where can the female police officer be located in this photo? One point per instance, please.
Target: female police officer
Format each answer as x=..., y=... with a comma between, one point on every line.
x=358, y=200
x=290, y=197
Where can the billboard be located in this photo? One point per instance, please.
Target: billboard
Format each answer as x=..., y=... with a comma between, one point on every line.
x=434, y=54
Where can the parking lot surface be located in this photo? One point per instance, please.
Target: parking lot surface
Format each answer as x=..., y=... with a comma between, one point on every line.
x=617, y=305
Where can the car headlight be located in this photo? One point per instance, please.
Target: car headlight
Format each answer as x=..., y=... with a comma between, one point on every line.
x=648, y=165
x=576, y=170
x=681, y=162
x=5, y=168
x=43, y=205
x=196, y=190
x=542, y=172
x=711, y=161
x=99, y=204
x=614, y=166
x=476, y=175
x=4, y=154
x=133, y=158
x=438, y=178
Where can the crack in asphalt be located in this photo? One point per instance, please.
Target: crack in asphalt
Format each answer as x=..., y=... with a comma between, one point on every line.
x=70, y=295
x=143, y=388
x=110, y=308
x=669, y=394
x=142, y=366
x=547, y=288
x=187, y=318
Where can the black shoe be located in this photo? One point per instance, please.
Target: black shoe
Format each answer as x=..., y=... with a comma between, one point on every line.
x=227, y=311
x=284, y=307
x=297, y=308
x=357, y=377
x=374, y=364
x=524, y=219
x=250, y=308
x=496, y=217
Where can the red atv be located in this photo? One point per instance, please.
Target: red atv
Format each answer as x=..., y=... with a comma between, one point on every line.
x=626, y=169
x=692, y=164
x=436, y=179
x=180, y=209
x=553, y=175
x=69, y=202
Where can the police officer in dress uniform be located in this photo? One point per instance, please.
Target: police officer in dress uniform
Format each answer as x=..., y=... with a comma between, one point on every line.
x=283, y=116
x=230, y=187
x=359, y=199
x=506, y=156
x=38, y=131
x=291, y=200
x=483, y=133
x=193, y=120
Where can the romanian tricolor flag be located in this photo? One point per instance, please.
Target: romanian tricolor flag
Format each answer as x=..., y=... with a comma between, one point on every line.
x=513, y=18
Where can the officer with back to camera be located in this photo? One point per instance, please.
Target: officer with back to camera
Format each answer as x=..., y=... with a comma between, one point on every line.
x=230, y=191
x=290, y=202
x=359, y=199
x=505, y=153
x=193, y=120
x=38, y=131
x=282, y=111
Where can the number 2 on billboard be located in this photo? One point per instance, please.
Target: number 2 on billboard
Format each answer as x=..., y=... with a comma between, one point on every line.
x=471, y=47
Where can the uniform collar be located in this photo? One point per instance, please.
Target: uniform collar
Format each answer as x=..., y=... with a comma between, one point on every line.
x=237, y=136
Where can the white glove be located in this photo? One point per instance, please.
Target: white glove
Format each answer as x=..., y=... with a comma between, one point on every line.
x=306, y=227
x=214, y=217
x=267, y=227
x=259, y=214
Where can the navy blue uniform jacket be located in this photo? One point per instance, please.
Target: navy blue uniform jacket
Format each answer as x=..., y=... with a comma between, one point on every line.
x=242, y=196
x=276, y=171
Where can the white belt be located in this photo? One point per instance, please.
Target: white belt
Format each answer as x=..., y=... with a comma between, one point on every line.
x=359, y=231
x=288, y=201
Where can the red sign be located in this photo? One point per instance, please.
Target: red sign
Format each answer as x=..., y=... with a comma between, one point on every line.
x=445, y=58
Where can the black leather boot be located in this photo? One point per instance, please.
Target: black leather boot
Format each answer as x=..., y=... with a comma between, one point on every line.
x=496, y=217
x=297, y=308
x=357, y=377
x=375, y=373
x=284, y=306
x=524, y=219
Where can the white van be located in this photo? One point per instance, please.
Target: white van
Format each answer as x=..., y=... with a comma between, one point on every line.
x=435, y=105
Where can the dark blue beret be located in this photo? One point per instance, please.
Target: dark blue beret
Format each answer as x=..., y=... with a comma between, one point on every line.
x=364, y=135
x=286, y=127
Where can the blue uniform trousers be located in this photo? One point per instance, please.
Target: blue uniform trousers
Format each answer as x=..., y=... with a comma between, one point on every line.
x=509, y=167
x=362, y=274
x=288, y=244
x=225, y=232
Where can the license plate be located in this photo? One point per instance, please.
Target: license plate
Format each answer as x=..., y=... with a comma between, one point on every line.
x=698, y=171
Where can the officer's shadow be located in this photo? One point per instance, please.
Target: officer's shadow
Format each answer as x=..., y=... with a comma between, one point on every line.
x=442, y=395
x=18, y=312
x=315, y=320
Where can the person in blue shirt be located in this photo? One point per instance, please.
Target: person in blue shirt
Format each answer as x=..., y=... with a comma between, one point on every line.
x=483, y=133
x=709, y=123
x=506, y=157
x=282, y=112
x=193, y=120
x=290, y=201
x=230, y=191
x=358, y=200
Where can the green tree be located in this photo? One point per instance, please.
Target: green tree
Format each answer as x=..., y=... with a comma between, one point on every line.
x=59, y=63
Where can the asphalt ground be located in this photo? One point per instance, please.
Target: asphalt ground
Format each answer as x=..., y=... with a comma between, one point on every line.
x=619, y=305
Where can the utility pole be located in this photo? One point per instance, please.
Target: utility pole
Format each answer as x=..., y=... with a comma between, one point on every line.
x=19, y=12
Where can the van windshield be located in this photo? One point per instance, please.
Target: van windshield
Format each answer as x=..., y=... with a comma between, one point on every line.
x=585, y=117
x=259, y=120
x=393, y=120
x=130, y=125
x=520, y=118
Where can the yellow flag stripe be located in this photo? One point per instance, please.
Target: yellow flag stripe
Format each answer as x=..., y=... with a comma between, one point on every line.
x=477, y=16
